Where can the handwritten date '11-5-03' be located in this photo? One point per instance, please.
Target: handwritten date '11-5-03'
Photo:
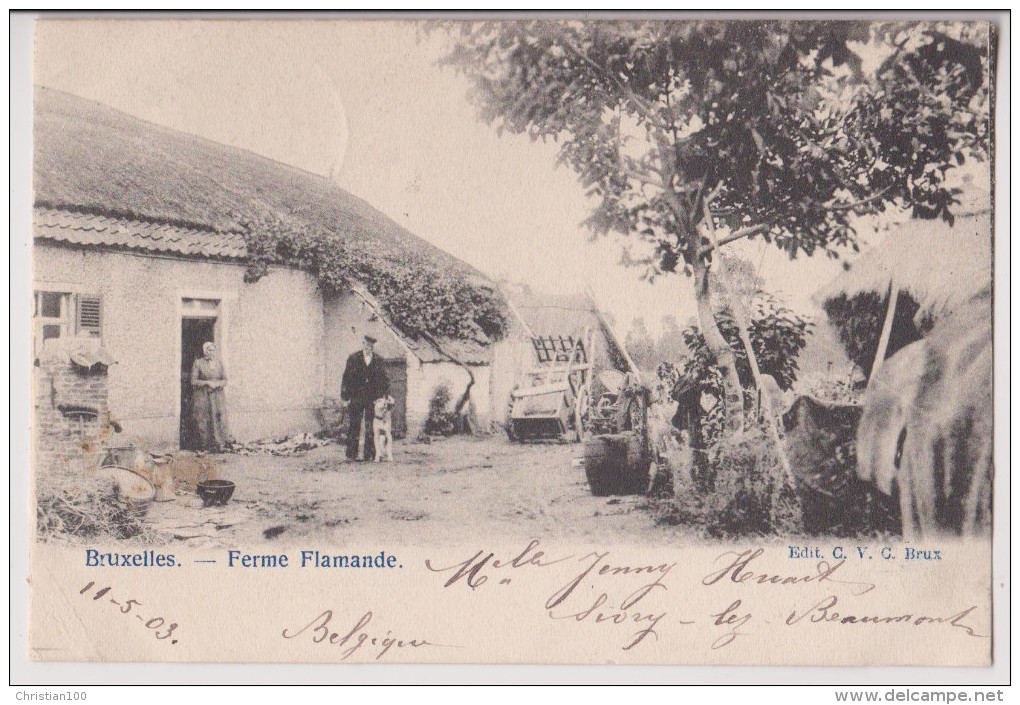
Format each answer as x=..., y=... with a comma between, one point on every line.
x=132, y=607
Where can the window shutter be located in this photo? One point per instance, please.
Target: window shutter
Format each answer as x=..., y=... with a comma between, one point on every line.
x=90, y=316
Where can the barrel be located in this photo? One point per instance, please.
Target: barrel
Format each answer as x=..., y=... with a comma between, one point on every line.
x=616, y=464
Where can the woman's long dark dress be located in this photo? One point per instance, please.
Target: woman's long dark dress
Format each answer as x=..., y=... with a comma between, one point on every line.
x=208, y=404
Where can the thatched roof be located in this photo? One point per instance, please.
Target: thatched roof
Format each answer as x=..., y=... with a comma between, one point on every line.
x=154, y=188
x=90, y=156
x=547, y=314
x=939, y=265
x=468, y=352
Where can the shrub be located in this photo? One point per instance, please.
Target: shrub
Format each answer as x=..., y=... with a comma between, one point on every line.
x=441, y=421
x=419, y=295
x=742, y=491
x=777, y=336
x=859, y=319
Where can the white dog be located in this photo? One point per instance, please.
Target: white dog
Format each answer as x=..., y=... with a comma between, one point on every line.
x=384, y=428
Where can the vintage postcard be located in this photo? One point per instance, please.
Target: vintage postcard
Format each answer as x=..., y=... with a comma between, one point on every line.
x=516, y=341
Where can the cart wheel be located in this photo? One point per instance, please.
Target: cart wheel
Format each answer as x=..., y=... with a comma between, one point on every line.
x=511, y=433
x=581, y=413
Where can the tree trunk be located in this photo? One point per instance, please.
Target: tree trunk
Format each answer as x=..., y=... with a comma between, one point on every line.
x=725, y=360
x=690, y=238
x=743, y=328
x=465, y=424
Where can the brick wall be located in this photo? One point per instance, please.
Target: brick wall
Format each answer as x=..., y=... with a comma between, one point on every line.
x=64, y=442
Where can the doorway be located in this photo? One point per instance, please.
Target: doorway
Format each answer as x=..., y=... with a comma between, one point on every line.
x=195, y=332
x=396, y=373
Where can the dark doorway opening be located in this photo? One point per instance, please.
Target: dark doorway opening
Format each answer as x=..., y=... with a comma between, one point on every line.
x=396, y=373
x=195, y=332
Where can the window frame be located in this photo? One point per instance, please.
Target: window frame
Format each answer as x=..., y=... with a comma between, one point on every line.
x=69, y=320
x=40, y=322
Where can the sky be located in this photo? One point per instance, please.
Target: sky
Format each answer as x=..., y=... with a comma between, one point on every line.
x=367, y=104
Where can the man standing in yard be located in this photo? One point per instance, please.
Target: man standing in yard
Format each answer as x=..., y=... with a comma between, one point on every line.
x=364, y=381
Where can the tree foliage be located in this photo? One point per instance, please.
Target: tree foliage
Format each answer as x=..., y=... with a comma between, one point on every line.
x=670, y=345
x=777, y=334
x=640, y=345
x=771, y=129
x=775, y=119
x=419, y=297
x=647, y=351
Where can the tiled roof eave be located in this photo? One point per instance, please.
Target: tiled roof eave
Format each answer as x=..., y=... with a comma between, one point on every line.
x=167, y=253
x=92, y=230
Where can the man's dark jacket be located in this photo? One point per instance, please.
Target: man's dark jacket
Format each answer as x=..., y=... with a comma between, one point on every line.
x=364, y=383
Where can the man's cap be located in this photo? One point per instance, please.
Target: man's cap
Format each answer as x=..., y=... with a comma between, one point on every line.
x=371, y=338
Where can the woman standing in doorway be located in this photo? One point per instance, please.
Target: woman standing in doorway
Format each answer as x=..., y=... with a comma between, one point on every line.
x=209, y=401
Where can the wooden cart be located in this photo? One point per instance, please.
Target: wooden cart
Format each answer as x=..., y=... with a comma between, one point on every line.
x=586, y=387
x=551, y=399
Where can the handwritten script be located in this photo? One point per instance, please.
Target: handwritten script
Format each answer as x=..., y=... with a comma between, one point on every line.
x=601, y=590
x=737, y=571
x=639, y=598
x=351, y=639
x=157, y=625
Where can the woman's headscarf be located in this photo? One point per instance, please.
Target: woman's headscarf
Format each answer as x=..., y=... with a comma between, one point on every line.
x=206, y=346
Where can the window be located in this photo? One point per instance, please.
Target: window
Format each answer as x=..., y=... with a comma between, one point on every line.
x=58, y=314
x=50, y=317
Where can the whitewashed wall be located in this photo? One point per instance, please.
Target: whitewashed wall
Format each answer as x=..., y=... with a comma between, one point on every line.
x=271, y=335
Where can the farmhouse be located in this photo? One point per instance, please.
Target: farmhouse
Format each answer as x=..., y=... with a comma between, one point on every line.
x=141, y=254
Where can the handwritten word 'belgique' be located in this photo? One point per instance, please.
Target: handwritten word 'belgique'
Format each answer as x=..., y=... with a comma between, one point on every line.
x=320, y=631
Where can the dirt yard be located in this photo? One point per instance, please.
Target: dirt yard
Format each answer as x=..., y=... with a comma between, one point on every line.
x=442, y=492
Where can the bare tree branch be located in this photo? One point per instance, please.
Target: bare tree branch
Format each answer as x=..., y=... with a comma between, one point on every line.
x=863, y=201
x=756, y=229
x=645, y=178
x=732, y=237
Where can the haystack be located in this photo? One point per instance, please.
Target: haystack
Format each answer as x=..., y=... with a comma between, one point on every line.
x=940, y=266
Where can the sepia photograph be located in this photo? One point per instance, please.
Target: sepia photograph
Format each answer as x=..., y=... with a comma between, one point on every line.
x=398, y=304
